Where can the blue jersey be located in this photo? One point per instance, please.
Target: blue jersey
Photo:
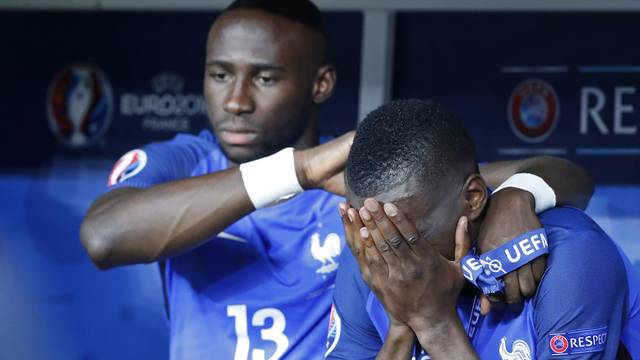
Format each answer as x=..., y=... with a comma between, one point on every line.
x=588, y=302
x=262, y=288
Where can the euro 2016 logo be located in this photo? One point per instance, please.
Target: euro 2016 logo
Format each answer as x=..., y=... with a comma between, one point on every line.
x=533, y=110
x=79, y=105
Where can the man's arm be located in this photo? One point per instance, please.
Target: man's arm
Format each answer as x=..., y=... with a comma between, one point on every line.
x=571, y=183
x=511, y=212
x=417, y=286
x=580, y=307
x=131, y=225
x=397, y=344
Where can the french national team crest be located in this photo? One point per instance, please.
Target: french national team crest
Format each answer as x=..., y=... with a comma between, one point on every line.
x=129, y=165
x=79, y=105
x=326, y=252
x=533, y=110
x=519, y=350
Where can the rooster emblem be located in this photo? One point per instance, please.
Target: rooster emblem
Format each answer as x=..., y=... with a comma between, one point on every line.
x=325, y=253
x=519, y=350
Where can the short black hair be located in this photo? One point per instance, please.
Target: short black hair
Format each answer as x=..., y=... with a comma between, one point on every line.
x=302, y=11
x=406, y=138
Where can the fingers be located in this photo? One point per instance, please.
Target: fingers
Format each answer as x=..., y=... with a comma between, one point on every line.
x=352, y=224
x=512, y=292
x=374, y=260
x=462, y=240
x=387, y=230
x=404, y=225
x=378, y=239
x=538, y=266
x=485, y=305
x=519, y=285
x=347, y=225
x=526, y=281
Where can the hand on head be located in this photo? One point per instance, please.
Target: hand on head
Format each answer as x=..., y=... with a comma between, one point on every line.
x=415, y=283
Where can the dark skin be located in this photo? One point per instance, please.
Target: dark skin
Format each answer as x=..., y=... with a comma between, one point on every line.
x=408, y=242
x=414, y=270
x=264, y=78
x=264, y=93
x=572, y=185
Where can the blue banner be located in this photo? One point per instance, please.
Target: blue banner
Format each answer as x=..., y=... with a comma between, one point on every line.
x=532, y=83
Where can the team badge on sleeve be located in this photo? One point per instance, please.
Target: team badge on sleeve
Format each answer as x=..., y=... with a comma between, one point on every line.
x=129, y=165
x=333, y=335
x=578, y=342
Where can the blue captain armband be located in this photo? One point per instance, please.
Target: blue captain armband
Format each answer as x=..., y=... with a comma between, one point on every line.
x=485, y=271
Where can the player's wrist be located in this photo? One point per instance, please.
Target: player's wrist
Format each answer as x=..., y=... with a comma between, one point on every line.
x=543, y=195
x=435, y=330
x=270, y=179
x=301, y=164
x=445, y=337
x=434, y=321
x=515, y=198
x=399, y=335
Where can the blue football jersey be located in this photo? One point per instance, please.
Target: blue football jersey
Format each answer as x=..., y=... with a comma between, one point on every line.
x=588, y=302
x=262, y=288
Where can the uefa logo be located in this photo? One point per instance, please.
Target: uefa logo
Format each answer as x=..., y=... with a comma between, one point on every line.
x=79, y=105
x=558, y=344
x=533, y=110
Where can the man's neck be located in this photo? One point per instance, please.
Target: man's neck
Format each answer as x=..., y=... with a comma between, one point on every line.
x=309, y=137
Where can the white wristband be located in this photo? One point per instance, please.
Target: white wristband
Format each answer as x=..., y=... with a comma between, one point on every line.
x=271, y=178
x=543, y=194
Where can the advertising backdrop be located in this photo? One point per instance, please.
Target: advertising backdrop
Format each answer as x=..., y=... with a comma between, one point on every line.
x=79, y=89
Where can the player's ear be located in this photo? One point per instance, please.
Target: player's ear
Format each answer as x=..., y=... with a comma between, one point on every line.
x=475, y=196
x=324, y=83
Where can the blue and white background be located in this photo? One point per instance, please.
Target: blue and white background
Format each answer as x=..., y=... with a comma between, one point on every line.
x=78, y=89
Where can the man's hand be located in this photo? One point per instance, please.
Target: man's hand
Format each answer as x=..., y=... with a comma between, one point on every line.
x=323, y=166
x=511, y=213
x=416, y=284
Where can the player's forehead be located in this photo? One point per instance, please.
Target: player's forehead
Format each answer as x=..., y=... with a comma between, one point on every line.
x=254, y=36
x=407, y=196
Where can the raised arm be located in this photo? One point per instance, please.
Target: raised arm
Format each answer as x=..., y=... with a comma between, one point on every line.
x=131, y=225
x=511, y=213
x=571, y=183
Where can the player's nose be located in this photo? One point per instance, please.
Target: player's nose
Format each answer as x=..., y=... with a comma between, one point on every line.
x=239, y=100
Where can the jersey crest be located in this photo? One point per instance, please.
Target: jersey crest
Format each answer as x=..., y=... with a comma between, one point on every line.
x=519, y=350
x=326, y=252
x=129, y=165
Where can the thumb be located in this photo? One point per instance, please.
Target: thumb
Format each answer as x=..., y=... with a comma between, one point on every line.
x=462, y=240
x=315, y=166
x=345, y=141
x=485, y=305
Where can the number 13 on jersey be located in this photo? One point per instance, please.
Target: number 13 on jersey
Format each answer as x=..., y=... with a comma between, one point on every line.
x=275, y=333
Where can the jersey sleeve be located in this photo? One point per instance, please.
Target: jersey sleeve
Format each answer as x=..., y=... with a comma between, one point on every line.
x=580, y=305
x=352, y=334
x=160, y=162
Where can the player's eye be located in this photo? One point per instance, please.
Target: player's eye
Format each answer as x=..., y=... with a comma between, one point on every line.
x=266, y=80
x=219, y=76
